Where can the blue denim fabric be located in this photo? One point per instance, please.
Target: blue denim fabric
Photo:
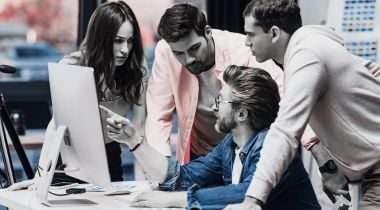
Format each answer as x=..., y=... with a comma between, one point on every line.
x=208, y=179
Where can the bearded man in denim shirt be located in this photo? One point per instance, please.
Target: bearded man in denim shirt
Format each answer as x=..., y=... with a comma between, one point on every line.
x=245, y=108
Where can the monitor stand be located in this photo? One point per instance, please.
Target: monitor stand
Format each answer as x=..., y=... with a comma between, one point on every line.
x=47, y=172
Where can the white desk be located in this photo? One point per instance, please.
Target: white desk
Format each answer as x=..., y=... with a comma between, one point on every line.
x=26, y=200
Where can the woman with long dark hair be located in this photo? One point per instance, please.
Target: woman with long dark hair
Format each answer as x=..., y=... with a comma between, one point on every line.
x=113, y=47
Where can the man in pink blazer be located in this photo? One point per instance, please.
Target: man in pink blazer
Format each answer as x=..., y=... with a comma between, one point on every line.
x=187, y=76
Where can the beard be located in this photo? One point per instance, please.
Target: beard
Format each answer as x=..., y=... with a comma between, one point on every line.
x=225, y=125
x=196, y=68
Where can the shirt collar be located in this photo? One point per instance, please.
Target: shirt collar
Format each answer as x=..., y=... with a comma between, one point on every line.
x=249, y=144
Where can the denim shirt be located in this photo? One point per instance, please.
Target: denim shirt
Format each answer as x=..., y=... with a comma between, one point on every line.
x=208, y=179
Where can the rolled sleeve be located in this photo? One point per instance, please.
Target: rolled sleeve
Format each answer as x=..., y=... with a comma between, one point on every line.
x=192, y=201
x=173, y=173
x=215, y=197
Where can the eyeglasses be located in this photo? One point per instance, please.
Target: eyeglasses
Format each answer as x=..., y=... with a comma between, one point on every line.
x=219, y=99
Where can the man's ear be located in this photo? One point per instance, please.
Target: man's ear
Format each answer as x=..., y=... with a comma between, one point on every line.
x=208, y=31
x=275, y=33
x=242, y=114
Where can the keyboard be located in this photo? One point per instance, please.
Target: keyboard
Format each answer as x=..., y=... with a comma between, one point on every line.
x=116, y=189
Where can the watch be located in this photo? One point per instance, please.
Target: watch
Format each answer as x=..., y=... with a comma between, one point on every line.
x=141, y=139
x=328, y=167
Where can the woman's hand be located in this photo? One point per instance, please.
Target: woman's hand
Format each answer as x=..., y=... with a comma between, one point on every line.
x=120, y=129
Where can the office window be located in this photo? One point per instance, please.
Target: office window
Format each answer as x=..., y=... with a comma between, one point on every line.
x=30, y=36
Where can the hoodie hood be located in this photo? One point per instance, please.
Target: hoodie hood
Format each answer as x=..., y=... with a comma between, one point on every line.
x=308, y=31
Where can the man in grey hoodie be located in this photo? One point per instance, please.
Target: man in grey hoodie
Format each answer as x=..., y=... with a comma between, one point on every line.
x=336, y=92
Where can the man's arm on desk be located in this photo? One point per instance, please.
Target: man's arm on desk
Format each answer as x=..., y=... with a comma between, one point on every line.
x=161, y=199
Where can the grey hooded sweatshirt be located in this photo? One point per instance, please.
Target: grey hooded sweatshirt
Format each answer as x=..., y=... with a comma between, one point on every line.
x=337, y=94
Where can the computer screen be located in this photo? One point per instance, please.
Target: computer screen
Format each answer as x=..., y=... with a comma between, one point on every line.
x=77, y=119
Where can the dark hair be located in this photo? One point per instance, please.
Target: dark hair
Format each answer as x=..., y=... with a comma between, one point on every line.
x=282, y=13
x=254, y=90
x=125, y=80
x=178, y=21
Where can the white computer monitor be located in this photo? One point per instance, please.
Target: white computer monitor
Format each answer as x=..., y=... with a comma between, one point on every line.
x=79, y=137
